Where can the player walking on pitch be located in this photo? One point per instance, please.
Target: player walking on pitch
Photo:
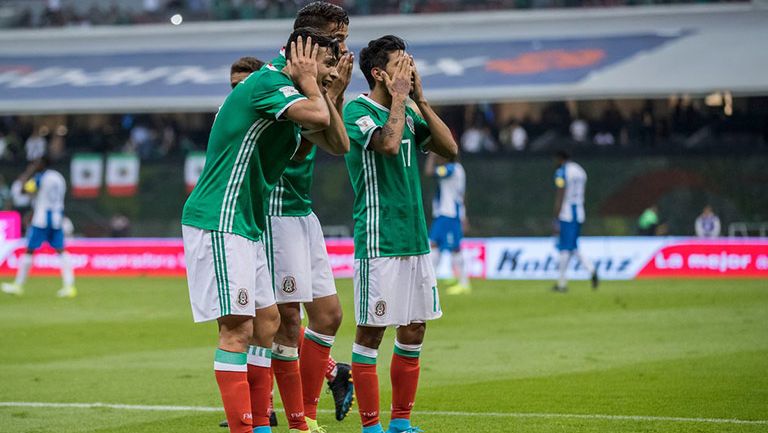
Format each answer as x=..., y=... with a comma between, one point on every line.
x=255, y=134
x=48, y=189
x=394, y=279
x=449, y=218
x=571, y=182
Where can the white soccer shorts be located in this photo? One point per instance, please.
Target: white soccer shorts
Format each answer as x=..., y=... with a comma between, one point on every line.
x=396, y=291
x=298, y=259
x=227, y=274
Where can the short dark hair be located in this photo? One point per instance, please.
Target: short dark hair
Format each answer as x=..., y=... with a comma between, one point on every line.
x=318, y=37
x=245, y=64
x=319, y=14
x=562, y=154
x=376, y=55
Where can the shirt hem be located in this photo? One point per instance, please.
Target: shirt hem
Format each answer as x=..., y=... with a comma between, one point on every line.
x=291, y=214
x=257, y=238
x=416, y=253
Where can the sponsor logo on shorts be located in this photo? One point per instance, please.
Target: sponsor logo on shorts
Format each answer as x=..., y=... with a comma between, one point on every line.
x=242, y=297
x=289, y=284
x=380, y=309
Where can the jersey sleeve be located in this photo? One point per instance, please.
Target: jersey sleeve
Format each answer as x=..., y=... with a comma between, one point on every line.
x=273, y=93
x=360, y=125
x=421, y=130
x=560, y=177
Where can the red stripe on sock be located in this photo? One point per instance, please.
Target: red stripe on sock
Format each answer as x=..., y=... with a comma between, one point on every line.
x=404, y=373
x=313, y=361
x=235, y=395
x=366, y=382
x=289, y=383
x=260, y=383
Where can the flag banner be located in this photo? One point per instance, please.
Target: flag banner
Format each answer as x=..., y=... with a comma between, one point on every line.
x=122, y=174
x=193, y=166
x=86, y=173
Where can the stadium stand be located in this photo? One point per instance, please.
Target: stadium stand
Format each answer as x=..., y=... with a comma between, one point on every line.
x=64, y=13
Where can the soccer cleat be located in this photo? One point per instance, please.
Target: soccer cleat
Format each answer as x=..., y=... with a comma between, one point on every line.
x=12, y=289
x=558, y=289
x=458, y=289
x=401, y=425
x=595, y=280
x=67, y=292
x=342, y=390
x=373, y=429
x=314, y=427
x=272, y=420
x=410, y=429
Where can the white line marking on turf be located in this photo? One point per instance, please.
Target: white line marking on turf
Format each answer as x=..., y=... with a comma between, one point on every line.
x=426, y=412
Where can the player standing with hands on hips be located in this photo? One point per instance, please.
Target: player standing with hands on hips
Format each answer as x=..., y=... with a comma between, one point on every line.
x=395, y=281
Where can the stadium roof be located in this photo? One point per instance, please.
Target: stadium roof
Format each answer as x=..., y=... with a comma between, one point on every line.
x=530, y=55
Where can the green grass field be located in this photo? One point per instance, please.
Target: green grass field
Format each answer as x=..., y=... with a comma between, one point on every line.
x=632, y=357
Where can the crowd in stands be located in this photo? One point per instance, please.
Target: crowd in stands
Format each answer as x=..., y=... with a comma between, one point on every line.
x=59, y=13
x=481, y=129
x=686, y=125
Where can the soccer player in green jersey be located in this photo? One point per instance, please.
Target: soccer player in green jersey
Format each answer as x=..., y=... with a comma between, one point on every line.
x=298, y=260
x=255, y=134
x=395, y=282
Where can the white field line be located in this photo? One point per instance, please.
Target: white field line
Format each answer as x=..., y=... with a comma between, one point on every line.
x=426, y=412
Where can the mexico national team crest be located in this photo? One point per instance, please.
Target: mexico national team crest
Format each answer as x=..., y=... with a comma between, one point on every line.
x=409, y=121
x=289, y=284
x=242, y=297
x=380, y=309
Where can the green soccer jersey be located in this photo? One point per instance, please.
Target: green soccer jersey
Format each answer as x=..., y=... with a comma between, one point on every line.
x=388, y=210
x=248, y=149
x=291, y=196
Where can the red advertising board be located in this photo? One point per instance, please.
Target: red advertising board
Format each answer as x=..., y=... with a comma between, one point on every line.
x=495, y=258
x=708, y=259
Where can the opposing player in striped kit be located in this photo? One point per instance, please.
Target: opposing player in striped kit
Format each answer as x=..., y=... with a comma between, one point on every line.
x=395, y=282
x=255, y=134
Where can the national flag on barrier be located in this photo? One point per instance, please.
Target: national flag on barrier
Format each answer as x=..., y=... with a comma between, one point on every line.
x=86, y=171
x=122, y=174
x=193, y=166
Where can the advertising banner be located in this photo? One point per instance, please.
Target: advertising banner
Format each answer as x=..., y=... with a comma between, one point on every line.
x=616, y=258
x=10, y=225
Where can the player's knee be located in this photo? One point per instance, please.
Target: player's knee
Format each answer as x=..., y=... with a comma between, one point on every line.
x=369, y=336
x=412, y=334
x=329, y=321
x=235, y=333
x=268, y=319
x=290, y=318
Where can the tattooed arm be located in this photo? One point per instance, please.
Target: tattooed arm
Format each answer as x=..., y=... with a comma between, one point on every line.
x=387, y=139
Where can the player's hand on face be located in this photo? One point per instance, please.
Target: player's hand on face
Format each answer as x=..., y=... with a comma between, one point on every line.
x=344, y=69
x=399, y=84
x=418, y=91
x=303, y=62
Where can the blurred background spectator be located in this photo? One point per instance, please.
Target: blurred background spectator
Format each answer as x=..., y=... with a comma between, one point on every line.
x=707, y=224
